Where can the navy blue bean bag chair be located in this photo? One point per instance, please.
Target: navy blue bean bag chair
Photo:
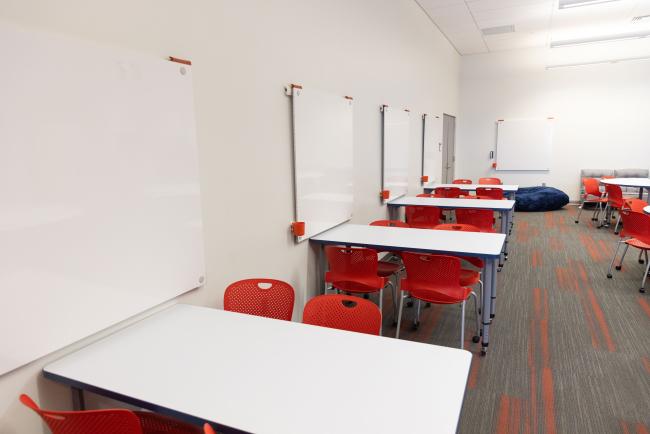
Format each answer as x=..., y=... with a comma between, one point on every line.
x=540, y=199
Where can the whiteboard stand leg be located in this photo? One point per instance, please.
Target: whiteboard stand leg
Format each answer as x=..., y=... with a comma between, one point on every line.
x=78, y=402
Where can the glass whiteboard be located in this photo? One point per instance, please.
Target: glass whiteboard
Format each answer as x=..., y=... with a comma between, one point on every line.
x=524, y=144
x=395, y=161
x=99, y=186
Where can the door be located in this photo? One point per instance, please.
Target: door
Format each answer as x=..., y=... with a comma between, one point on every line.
x=448, y=148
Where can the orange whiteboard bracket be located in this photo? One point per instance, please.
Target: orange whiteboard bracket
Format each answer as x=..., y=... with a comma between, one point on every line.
x=385, y=194
x=183, y=61
x=298, y=228
x=424, y=178
x=494, y=165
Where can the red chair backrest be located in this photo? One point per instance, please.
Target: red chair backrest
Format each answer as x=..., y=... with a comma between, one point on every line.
x=426, y=273
x=449, y=192
x=87, y=422
x=391, y=223
x=477, y=262
x=207, y=429
x=353, y=268
x=422, y=216
x=592, y=187
x=635, y=205
x=614, y=195
x=481, y=218
x=343, y=312
x=490, y=181
x=636, y=225
x=261, y=297
x=461, y=181
x=489, y=193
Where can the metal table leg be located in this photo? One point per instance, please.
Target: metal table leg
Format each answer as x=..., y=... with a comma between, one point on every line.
x=78, y=402
x=493, y=298
x=490, y=265
x=321, y=267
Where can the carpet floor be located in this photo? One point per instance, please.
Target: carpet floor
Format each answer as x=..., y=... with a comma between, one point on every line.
x=569, y=349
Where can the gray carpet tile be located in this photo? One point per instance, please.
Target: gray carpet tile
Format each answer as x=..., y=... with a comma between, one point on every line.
x=570, y=348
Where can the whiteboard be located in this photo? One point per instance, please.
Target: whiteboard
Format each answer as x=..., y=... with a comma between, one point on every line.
x=524, y=144
x=395, y=162
x=101, y=212
x=432, y=147
x=323, y=159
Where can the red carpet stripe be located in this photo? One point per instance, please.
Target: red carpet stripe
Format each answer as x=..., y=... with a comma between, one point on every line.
x=600, y=318
x=504, y=412
x=644, y=305
x=624, y=427
x=641, y=429
x=549, y=401
x=646, y=364
x=473, y=373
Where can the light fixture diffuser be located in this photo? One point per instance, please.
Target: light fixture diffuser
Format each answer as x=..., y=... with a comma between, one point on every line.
x=566, y=4
x=597, y=39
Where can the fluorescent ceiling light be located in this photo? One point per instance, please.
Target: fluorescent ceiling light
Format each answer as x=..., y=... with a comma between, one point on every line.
x=597, y=62
x=597, y=39
x=565, y=4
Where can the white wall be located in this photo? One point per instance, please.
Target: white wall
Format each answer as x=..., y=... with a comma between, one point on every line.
x=378, y=51
x=602, y=111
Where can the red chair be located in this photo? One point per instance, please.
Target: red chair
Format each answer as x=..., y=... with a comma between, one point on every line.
x=436, y=279
x=489, y=181
x=387, y=268
x=261, y=297
x=461, y=181
x=592, y=194
x=116, y=421
x=426, y=195
x=636, y=233
x=391, y=223
x=635, y=205
x=481, y=218
x=207, y=429
x=615, y=202
x=344, y=313
x=448, y=192
x=422, y=217
x=489, y=193
x=356, y=270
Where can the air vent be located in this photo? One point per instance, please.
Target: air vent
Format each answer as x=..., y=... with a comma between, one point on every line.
x=498, y=30
x=641, y=19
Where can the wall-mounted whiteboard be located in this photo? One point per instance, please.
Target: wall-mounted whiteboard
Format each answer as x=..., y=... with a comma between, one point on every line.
x=101, y=215
x=323, y=159
x=432, y=147
x=524, y=144
x=395, y=161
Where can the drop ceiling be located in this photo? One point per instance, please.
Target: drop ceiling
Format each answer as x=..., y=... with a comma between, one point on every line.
x=482, y=26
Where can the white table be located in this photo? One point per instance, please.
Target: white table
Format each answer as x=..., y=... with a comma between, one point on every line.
x=503, y=207
x=646, y=210
x=509, y=190
x=250, y=374
x=477, y=244
x=639, y=183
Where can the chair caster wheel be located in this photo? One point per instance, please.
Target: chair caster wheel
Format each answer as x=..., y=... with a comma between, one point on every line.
x=427, y=305
x=483, y=352
x=642, y=290
x=609, y=275
x=476, y=339
x=618, y=267
x=641, y=261
x=394, y=323
x=576, y=221
x=416, y=326
x=366, y=296
x=409, y=304
x=615, y=233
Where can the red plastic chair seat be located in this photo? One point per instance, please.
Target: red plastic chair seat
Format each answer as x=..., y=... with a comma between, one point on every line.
x=431, y=293
x=638, y=244
x=469, y=277
x=385, y=268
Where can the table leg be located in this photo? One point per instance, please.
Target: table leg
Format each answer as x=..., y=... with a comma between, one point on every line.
x=486, y=304
x=640, y=192
x=393, y=213
x=493, y=298
x=78, y=402
x=321, y=267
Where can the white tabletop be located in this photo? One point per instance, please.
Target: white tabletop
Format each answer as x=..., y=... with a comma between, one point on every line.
x=472, y=187
x=496, y=205
x=628, y=182
x=279, y=377
x=646, y=210
x=479, y=244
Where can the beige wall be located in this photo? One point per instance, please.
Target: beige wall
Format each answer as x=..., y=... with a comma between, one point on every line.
x=244, y=52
